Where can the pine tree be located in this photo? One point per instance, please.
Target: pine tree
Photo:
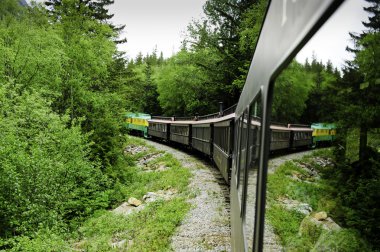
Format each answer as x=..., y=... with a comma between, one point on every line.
x=366, y=67
x=89, y=8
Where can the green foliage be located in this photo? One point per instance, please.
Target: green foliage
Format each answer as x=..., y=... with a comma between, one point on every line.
x=46, y=176
x=226, y=34
x=61, y=110
x=357, y=156
x=151, y=228
x=142, y=88
x=184, y=85
x=358, y=194
x=43, y=240
x=290, y=93
x=31, y=52
x=322, y=103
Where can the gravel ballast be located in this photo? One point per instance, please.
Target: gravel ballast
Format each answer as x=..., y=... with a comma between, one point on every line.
x=207, y=225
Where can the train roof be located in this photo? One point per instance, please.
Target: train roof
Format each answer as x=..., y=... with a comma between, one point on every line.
x=279, y=127
x=300, y=127
x=323, y=126
x=137, y=115
x=170, y=120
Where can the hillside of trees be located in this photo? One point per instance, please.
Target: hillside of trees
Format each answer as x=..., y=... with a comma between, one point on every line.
x=65, y=87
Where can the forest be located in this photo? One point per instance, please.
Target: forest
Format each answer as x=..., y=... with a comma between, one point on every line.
x=65, y=87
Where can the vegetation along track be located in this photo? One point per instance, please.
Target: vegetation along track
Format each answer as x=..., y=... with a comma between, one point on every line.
x=206, y=227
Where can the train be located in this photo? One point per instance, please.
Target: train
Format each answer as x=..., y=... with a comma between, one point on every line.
x=207, y=134
x=239, y=142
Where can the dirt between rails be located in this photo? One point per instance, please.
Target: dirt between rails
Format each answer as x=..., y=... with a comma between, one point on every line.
x=207, y=225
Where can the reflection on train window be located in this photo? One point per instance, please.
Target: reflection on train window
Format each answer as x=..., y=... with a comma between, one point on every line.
x=252, y=167
x=238, y=131
x=243, y=157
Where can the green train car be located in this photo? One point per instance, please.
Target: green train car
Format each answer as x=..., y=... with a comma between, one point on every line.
x=323, y=133
x=137, y=122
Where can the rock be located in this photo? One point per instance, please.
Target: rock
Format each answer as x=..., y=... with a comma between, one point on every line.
x=296, y=176
x=150, y=157
x=124, y=208
x=300, y=207
x=161, y=168
x=342, y=239
x=313, y=227
x=118, y=244
x=320, y=216
x=134, y=202
x=329, y=224
x=310, y=227
x=323, y=162
x=159, y=195
x=133, y=150
x=150, y=197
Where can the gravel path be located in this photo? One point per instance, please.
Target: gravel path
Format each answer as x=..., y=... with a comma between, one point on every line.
x=207, y=225
x=277, y=161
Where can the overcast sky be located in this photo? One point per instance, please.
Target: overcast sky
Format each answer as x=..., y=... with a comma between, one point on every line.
x=331, y=40
x=151, y=23
x=162, y=23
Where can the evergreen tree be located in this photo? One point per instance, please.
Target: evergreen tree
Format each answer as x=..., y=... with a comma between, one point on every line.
x=92, y=9
x=365, y=107
x=220, y=33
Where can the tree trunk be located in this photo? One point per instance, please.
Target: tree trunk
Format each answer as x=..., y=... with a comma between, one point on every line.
x=340, y=145
x=363, y=142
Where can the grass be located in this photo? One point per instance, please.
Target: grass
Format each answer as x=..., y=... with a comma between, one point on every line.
x=319, y=195
x=175, y=177
x=151, y=228
x=147, y=230
x=281, y=184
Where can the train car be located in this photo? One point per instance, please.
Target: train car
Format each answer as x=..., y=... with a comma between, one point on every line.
x=280, y=137
x=323, y=133
x=137, y=122
x=223, y=133
x=201, y=137
x=180, y=132
x=301, y=136
x=159, y=128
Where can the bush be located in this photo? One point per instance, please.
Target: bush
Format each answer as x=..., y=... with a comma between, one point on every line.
x=46, y=179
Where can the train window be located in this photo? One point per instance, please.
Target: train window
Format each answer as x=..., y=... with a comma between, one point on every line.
x=237, y=146
x=243, y=158
x=254, y=138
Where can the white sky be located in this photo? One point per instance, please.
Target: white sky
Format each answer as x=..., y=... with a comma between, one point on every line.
x=162, y=23
x=331, y=40
x=151, y=23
